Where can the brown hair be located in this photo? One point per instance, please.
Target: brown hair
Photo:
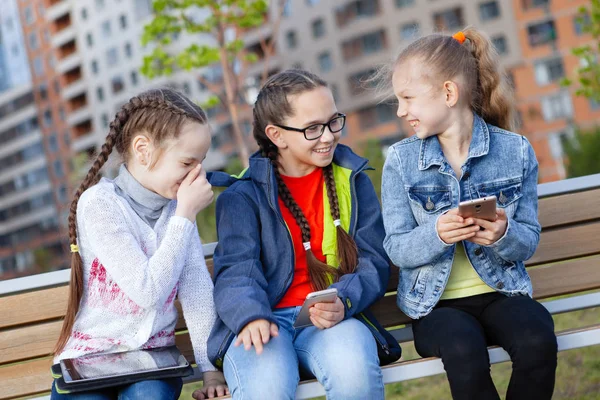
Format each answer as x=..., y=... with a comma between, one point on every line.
x=159, y=113
x=272, y=107
x=476, y=62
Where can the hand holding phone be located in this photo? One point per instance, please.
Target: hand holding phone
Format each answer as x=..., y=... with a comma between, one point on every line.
x=490, y=231
x=452, y=228
x=326, y=299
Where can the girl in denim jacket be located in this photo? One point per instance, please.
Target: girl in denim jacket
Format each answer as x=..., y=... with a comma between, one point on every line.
x=303, y=217
x=463, y=280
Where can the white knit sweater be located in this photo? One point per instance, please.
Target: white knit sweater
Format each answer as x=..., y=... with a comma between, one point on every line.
x=132, y=273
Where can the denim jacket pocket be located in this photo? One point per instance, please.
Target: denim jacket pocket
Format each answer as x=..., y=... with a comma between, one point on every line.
x=427, y=202
x=507, y=192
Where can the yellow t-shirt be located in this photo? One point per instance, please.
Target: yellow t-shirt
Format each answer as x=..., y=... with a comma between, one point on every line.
x=464, y=280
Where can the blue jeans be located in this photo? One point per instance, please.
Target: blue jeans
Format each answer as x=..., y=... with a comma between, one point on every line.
x=342, y=358
x=167, y=389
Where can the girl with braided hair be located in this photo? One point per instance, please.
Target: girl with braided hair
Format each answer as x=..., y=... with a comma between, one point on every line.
x=303, y=217
x=135, y=245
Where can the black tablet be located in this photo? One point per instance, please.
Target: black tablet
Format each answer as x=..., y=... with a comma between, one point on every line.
x=140, y=363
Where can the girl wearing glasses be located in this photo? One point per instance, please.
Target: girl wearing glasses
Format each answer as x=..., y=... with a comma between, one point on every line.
x=304, y=217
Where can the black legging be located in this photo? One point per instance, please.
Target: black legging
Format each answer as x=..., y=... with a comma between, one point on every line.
x=459, y=331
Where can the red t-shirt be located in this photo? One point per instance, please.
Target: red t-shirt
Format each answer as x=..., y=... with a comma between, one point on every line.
x=308, y=193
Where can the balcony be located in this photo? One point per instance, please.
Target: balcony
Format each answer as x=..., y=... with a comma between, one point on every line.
x=74, y=89
x=85, y=142
x=57, y=9
x=63, y=37
x=68, y=63
x=79, y=117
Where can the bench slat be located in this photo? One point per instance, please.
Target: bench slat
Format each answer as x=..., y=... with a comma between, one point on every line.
x=568, y=209
x=33, y=307
x=548, y=281
x=562, y=244
x=25, y=379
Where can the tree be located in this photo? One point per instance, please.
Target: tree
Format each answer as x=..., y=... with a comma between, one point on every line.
x=226, y=24
x=588, y=72
x=582, y=153
x=374, y=153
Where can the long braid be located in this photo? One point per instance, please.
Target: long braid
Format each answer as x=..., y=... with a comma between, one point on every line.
x=130, y=115
x=347, y=252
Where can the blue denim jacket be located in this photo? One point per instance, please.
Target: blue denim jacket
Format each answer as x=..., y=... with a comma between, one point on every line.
x=419, y=185
x=254, y=258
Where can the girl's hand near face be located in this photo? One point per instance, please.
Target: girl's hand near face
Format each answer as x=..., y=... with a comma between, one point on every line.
x=492, y=230
x=257, y=333
x=327, y=315
x=452, y=228
x=194, y=194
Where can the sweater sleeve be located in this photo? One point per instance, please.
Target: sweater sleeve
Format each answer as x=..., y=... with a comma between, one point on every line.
x=147, y=281
x=196, y=297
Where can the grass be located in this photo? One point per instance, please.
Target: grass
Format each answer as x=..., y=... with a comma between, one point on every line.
x=577, y=376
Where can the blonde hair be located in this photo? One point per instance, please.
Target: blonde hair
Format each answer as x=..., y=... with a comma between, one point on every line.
x=476, y=62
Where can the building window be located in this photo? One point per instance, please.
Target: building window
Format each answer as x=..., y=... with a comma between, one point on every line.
x=123, y=21
x=541, y=33
x=99, y=4
x=318, y=28
x=61, y=113
x=581, y=22
x=291, y=39
x=105, y=120
x=117, y=84
x=355, y=10
x=187, y=89
x=557, y=106
x=29, y=16
x=94, y=66
x=58, y=169
x=548, y=71
x=404, y=3
x=143, y=8
x=89, y=39
x=287, y=8
x=106, y=30
x=53, y=143
x=489, y=10
x=312, y=2
x=33, y=41
x=112, y=56
x=376, y=115
x=38, y=66
x=366, y=44
x=499, y=43
x=134, y=78
x=100, y=93
x=409, y=31
x=48, y=118
x=528, y=4
x=43, y=91
x=127, y=49
x=449, y=20
x=325, y=61
x=84, y=14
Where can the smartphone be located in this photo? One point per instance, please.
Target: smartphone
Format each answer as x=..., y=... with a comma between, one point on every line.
x=483, y=208
x=322, y=296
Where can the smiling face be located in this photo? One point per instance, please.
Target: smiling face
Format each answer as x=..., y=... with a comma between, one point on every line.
x=297, y=155
x=420, y=102
x=174, y=160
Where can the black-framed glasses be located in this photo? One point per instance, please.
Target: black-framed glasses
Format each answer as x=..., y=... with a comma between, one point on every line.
x=315, y=131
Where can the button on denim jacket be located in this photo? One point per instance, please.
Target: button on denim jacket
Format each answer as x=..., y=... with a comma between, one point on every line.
x=419, y=185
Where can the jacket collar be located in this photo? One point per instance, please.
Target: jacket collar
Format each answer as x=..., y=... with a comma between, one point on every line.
x=431, y=151
x=260, y=169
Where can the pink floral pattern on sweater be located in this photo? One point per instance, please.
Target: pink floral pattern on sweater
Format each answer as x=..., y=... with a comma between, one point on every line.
x=103, y=292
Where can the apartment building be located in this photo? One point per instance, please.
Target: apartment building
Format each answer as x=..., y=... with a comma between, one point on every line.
x=547, y=31
x=29, y=229
x=344, y=41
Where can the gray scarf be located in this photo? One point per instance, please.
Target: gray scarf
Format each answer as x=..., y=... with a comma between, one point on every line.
x=147, y=204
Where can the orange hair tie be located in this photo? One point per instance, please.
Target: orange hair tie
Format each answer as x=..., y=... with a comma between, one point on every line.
x=460, y=37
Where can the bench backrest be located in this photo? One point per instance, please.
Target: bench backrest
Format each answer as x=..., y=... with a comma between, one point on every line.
x=567, y=261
